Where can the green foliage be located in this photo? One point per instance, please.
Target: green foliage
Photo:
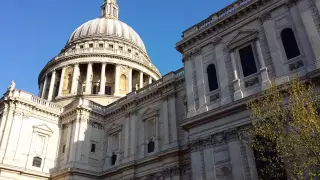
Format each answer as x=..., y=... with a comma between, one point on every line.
x=286, y=127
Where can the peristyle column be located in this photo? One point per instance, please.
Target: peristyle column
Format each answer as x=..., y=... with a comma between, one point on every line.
x=89, y=79
x=103, y=79
x=52, y=82
x=61, y=81
x=150, y=80
x=116, y=84
x=141, y=80
x=75, y=79
x=130, y=80
x=44, y=87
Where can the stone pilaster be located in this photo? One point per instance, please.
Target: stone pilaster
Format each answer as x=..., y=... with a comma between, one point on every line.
x=223, y=77
x=51, y=88
x=165, y=122
x=6, y=131
x=306, y=15
x=150, y=80
x=103, y=79
x=263, y=69
x=274, y=47
x=302, y=35
x=89, y=79
x=238, y=94
x=237, y=169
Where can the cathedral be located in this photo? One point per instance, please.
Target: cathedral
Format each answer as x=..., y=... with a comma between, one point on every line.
x=104, y=112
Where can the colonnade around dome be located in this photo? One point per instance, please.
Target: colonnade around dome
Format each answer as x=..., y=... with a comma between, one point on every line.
x=102, y=79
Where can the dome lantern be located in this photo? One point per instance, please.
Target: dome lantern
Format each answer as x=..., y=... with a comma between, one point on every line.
x=110, y=9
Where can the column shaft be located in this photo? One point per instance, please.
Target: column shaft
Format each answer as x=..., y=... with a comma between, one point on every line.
x=61, y=81
x=117, y=80
x=89, y=79
x=150, y=80
x=51, y=88
x=75, y=79
x=103, y=79
x=44, y=87
x=41, y=89
x=130, y=80
x=141, y=80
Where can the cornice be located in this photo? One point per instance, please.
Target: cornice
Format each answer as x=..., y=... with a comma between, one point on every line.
x=220, y=27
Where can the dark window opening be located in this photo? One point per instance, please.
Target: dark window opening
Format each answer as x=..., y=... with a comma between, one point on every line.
x=90, y=45
x=212, y=77
x=121, y=48
x=247, y=61
x=151, y=146
x=81, y=46
x=36, y=162
x=95, y=89
x=108, y=90
x=110, y=46
x=289, y=43
x=113, y=159
x=129, y=50
x=93, y=148
x=63, y=148
x=268, y=163
x=100, y=45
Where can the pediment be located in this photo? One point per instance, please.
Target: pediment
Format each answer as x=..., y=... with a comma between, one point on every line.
x=43, y=128
x=243, y=36
x=149, y=113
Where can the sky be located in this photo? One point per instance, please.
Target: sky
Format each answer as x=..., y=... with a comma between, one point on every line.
x=32, y=32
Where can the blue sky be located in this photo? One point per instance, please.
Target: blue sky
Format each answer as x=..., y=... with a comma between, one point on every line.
x=32, y=32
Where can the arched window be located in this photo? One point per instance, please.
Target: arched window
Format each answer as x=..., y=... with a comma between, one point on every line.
x=113, y=159
x=151, y=146
x=36, y=162
x=123, y=82
x=289, y=43
x=212, y=77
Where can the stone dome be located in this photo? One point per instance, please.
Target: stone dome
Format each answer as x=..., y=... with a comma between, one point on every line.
x=107, y=27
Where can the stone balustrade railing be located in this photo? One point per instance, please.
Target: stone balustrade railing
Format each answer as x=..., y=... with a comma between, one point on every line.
x=217, y=16
x=168, y=77
x=41, y=103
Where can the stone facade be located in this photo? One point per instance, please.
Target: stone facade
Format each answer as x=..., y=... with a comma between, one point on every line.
x=186, y=125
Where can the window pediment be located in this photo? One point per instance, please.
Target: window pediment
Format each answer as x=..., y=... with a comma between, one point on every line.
x=243, y=36
x=43, y=128
x=149, y=113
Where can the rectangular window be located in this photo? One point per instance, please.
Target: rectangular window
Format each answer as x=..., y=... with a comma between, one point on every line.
x=90, y=45
x=111, y=46
x=129, y=50
x=248, y=63
x=121, y=48
x=93, y=148
x=95, y=89
x=81, y=46
x=100, y=45
x=63, y=149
